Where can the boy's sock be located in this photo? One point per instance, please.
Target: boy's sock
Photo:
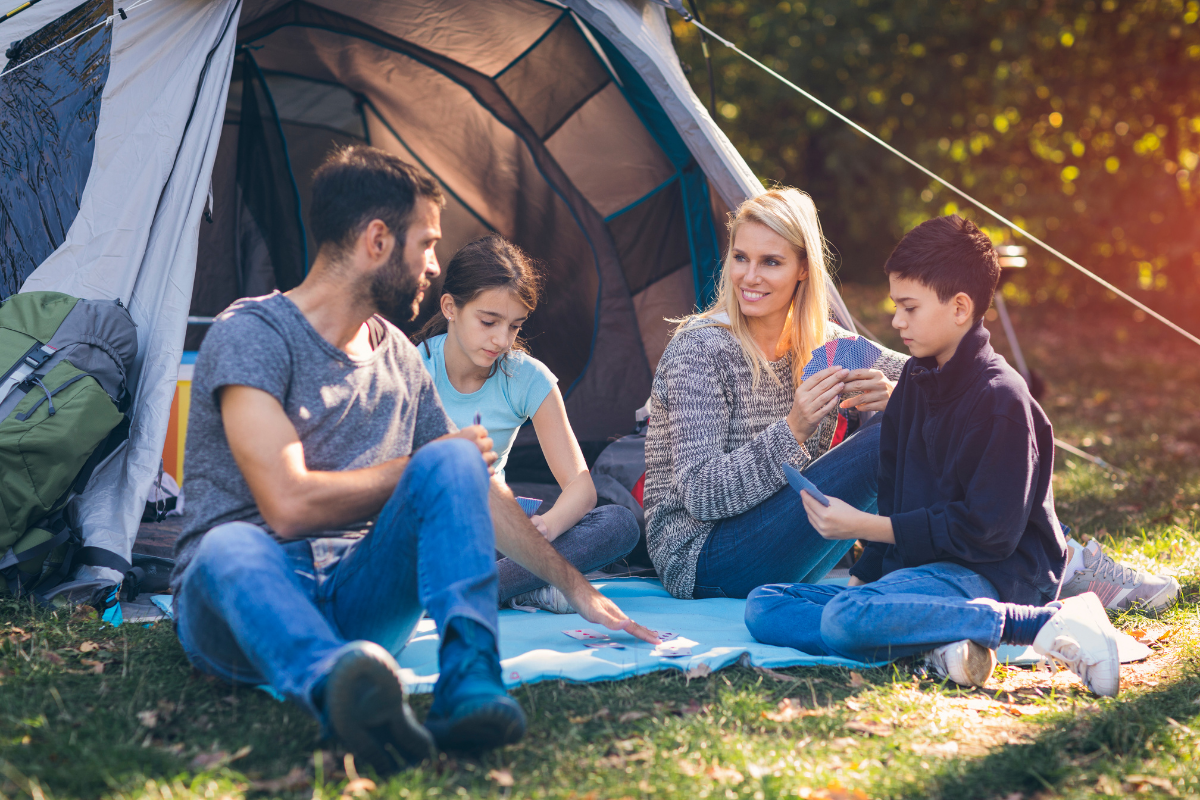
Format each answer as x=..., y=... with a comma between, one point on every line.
x=1022, y=623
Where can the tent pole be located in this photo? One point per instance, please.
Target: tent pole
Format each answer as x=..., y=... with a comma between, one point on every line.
x=1002, y=310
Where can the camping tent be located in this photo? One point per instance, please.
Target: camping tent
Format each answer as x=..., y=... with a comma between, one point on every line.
x=164, y=159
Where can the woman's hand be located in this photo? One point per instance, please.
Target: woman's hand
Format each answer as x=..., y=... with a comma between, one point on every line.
x=815, y=398
x=875, y=388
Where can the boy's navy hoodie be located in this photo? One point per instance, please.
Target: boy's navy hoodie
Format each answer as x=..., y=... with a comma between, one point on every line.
x=965, y=460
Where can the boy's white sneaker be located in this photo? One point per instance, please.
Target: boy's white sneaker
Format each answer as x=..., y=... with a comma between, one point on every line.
x=1081, y=637
x=967, y=663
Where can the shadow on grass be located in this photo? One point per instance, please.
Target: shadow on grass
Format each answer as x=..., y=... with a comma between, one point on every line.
x=1111, y=740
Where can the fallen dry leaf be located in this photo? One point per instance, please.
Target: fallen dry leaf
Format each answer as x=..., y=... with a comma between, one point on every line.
x=294, y=780
x=1150, y=780
x=856, y=680
x=787, y=711
x=724, y=774
x=580, y=720
x=630, y=716
x=97, y=666
x=358, y=787
x=698, y=671
x=939, y=750
x=502, y=777
x=835, y=791
x=88, y=647
x=215, y=758
x=52, y=657
x=870, y=727
x=149, y=718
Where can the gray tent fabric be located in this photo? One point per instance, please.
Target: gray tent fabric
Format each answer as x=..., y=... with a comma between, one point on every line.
x=567, y=127
x=134, y=238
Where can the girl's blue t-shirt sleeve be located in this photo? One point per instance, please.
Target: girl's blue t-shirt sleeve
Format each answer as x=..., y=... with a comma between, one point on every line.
x=533, y=381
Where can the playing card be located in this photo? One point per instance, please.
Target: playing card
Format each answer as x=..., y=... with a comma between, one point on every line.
x=665, y=636
x=856, y=353
x=529, y=505
x=851, y=352
x=819, y=359
x=798, y=482
x=586, y=634
x=598, y=645
x=671, y=651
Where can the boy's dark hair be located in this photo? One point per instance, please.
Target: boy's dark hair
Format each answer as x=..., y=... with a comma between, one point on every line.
x=949, y=255
x=357, y=184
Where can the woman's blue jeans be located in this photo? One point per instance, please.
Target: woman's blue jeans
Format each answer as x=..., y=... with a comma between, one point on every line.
x=774, y=542
x=250, y=610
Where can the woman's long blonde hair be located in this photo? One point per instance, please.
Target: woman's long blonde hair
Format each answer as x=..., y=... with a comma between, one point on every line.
x=791, y=214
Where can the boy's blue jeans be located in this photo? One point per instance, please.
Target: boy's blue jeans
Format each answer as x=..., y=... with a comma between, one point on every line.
x=774, y=542
x=905, y=612
x=250, y=610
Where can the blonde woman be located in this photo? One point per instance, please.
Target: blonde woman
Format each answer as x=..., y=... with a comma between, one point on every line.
x=728, y=410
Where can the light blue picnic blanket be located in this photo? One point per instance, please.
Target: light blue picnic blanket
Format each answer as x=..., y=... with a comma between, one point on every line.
x=534, y=648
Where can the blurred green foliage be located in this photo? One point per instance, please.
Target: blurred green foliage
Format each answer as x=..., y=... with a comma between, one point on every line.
x=1078, y=120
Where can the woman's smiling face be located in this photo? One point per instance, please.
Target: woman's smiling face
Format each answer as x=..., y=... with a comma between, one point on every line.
x=765, y=269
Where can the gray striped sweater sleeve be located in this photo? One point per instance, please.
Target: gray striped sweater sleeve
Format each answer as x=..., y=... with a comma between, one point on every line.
x=717, y=483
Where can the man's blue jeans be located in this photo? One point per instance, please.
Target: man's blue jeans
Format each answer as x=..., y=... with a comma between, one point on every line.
x=905, y=612
x=774, y=542
x=250, y=610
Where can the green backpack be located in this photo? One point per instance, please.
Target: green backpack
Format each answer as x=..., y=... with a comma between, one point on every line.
x=64, y=370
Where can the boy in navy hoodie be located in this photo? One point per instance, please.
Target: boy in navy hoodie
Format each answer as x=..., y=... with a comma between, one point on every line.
x=966, y=552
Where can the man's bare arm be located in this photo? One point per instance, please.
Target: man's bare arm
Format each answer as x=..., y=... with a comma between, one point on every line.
x=293, y=499
x=519, y=540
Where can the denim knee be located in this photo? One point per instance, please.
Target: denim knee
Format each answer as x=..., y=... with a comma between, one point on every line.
x=842, y=625
x=619, y=524
x=233, y=548
x=452, y=461
x=760, y=605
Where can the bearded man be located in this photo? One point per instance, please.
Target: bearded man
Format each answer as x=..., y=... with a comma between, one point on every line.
x=331, y=502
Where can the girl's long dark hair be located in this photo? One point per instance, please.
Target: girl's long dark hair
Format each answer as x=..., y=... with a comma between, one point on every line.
x=491, y=262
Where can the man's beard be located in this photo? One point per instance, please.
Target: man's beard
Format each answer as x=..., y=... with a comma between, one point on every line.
x=395, y=287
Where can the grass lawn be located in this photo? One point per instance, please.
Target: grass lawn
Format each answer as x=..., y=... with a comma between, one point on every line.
x=89, y=711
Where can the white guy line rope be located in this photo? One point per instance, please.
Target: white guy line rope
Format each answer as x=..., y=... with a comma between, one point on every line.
x=65, y=42
x=1005, y=220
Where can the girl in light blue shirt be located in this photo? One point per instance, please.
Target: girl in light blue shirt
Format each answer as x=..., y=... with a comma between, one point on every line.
x=479, y=366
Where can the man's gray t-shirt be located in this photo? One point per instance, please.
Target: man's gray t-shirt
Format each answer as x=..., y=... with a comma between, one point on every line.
x=350, y=413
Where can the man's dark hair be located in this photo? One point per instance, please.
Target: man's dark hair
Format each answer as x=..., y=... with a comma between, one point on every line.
x=949, y=255
x=357, y=184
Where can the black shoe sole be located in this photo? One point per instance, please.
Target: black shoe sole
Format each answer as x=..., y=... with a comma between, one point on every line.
x=369, y=712
x=492, y=723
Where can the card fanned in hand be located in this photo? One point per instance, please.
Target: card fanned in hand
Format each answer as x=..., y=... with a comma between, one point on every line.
x=851, y=352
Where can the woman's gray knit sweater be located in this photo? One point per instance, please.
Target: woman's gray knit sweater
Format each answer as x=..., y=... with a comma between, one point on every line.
x=716, y=446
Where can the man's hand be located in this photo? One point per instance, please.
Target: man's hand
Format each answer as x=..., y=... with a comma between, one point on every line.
x=517, y=538
x=595, y=607
x=840, y=520
x=478, y=436
x=875, y=387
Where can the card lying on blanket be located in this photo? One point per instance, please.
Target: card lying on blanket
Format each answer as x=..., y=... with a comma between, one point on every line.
x=529, y=505
x=798, y=482
x=852, y=352
x=587, y=634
